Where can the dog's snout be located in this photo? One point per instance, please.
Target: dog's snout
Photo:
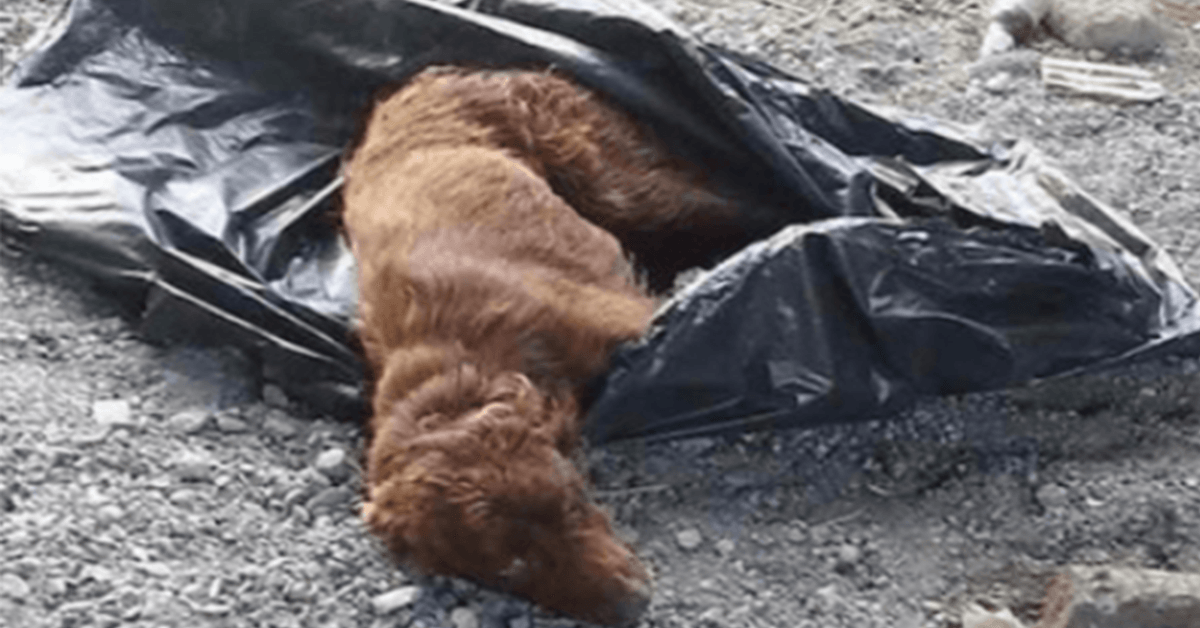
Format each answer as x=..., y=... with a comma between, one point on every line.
x=630, y=607
x=625, y=601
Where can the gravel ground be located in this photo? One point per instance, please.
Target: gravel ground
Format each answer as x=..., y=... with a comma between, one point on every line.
x=164, y=486
x=24, y=24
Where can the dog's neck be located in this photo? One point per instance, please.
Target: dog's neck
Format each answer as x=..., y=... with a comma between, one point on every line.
x=405, y=369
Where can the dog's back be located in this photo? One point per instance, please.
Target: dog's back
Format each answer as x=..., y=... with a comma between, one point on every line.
x=464, y=243
x=597, y=158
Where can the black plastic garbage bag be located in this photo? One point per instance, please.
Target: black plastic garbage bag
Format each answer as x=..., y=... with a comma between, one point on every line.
x=186, y=154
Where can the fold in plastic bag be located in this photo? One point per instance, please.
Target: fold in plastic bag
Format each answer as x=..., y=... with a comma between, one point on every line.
x=186, y=154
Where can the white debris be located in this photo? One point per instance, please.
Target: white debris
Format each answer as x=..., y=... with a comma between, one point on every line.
x=113, y=412
x=1101, y=80
x=395, y=599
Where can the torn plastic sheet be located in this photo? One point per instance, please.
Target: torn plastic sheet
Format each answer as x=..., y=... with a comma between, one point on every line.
x=186, y=154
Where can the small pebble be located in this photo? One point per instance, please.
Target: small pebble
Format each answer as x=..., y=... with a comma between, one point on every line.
x=297, y=591
x=395, y=599
x=313, y=480
x=999, y=83
x=99, y=573
x=61, y=457
x=332, y=463
x=56, y=586
x=689, y=539
x=213, y=610
x=189, y=421
x=711, y=617
x=193, y=468
x=12, y=586
x=274, y=396
x=1052, y=496
x=231, y=425
x=78, y=606
x=726, y=546
x=279, y=425
x=299, y=494
x=158, y=604
x=156, y=569
x=330, y=458
x=301, y=514
x=330, y=499
x=795, y=534
x=113, y=412
x=110, y=513
x=849, y=554
x=90, y=436
x=129, y=603
x=463, y=617
x=184, y=497
x=696, y=446
x=830, y=596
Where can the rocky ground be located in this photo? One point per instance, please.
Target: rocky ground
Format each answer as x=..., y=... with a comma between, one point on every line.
x=164, y=486
x=24, y=24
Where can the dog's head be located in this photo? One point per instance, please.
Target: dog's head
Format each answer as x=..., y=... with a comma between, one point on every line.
x=467, y=477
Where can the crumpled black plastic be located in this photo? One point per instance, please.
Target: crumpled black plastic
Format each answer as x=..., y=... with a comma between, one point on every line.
x=186, y=155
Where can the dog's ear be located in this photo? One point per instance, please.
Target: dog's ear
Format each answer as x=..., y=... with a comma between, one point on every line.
x=545, y=413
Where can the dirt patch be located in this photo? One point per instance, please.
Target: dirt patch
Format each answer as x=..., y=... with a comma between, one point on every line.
x=207, y=506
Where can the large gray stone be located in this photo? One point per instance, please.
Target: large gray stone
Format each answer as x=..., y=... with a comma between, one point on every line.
x=1129, y=26
x=13, y=586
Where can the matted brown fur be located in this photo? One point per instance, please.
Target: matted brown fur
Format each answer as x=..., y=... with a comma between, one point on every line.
x=487, y=212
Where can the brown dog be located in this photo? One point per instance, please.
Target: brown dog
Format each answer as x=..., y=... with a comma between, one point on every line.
x=487, y=212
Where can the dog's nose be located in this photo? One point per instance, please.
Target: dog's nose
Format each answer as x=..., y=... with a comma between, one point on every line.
x=625, y=608
x=630, y=608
